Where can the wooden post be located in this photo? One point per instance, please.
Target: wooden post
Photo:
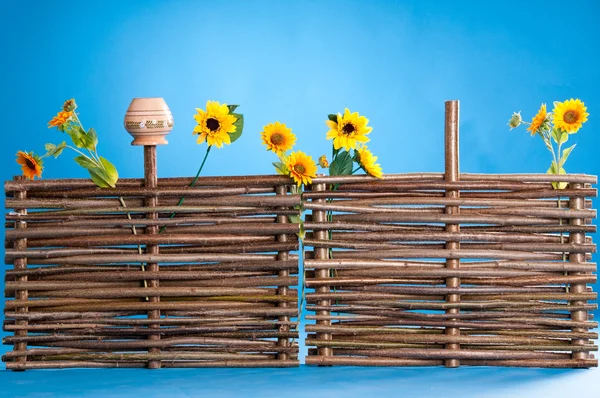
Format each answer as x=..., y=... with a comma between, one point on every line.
x=577, y=203
x=283, y=290
x=20, y=264
x=151, y=181
x=321, y=253
x=141, y=114
x=452, y=175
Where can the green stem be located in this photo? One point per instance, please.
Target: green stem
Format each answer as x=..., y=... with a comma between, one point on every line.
x=84, y=155
x=559, y=156
x=134, y=230
x=93, y=153
x=191, y=185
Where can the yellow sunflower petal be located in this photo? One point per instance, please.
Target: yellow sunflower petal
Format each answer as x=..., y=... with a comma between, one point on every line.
x=331, y=124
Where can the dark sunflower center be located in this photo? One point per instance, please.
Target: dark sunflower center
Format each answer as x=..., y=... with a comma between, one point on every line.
x=348, y=128
x=300, y=169
x=30, y=164
x=277, y=139
x=212, y=124
x=570, y=117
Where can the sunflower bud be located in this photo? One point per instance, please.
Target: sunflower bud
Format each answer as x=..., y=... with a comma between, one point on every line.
x=323, y=162
x=515, y=121
x=69, y=105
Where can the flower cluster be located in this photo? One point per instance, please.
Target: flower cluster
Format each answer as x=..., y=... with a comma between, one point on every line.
x=279, y=139
x=103, y=173
x=566, y=118
x=349, y=132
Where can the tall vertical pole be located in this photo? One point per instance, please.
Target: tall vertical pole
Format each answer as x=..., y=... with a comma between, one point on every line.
x=321, y=253
x=452, y=175
x=151, y=182
x=141, y=114
x=20, y=264
x=283, y=290
x=578, y=238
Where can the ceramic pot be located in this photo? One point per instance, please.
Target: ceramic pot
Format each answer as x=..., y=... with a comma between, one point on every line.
x=148, y=120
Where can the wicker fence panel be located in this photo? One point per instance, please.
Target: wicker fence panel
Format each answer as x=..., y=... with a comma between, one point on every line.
x=99, y=281
x=417, y=270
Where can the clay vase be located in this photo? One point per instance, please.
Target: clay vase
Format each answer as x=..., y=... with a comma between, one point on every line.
x=148, y=120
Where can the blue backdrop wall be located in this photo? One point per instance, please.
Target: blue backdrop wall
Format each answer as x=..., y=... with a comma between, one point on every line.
x=296, y=61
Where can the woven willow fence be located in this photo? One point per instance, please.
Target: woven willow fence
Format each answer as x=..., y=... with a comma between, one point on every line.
x=213, y=289
x=412, y=270
x=451, y=269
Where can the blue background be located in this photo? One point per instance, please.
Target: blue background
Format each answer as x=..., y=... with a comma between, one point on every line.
x=296, y=61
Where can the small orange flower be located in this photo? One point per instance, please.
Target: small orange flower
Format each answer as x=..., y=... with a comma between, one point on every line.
x=538, y=120
x=60, y=119
x=323, y=162
x=31, y=164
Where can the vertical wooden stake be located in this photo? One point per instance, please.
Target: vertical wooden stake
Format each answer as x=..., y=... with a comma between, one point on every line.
x=283, y=290
x=321, y=253
x=578, y=203
x=151, y=181
x=20, y=264
x=452, y=175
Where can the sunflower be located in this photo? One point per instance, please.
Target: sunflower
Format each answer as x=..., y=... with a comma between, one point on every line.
x=278, y=138
x=569, y=115
x=215, y=124
x=323, y=162
x=367, y=162
x=349, y=129
x=538, y=120
x=61, y=118
x=31, y=164
x=301, y=167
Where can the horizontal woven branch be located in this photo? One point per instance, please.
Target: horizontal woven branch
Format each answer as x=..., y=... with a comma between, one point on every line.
x=381, y=293
x=94, y=285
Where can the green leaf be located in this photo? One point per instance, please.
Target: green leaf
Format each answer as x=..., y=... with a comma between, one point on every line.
x=86, y=162
x=104, y=177
x=564, y=137
x=239, y=126
x=332, y=117
x=302, y=233
x=99, y=178
x=553, y=170
x=560, y=185
x=556, y=135
x=232, y=108
x=54, y=150
x=111, y=172
x=295, y=219
x=342, y=165
x=92, y=139
x=78, y=136
x=565, y=155
x=281, y=168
